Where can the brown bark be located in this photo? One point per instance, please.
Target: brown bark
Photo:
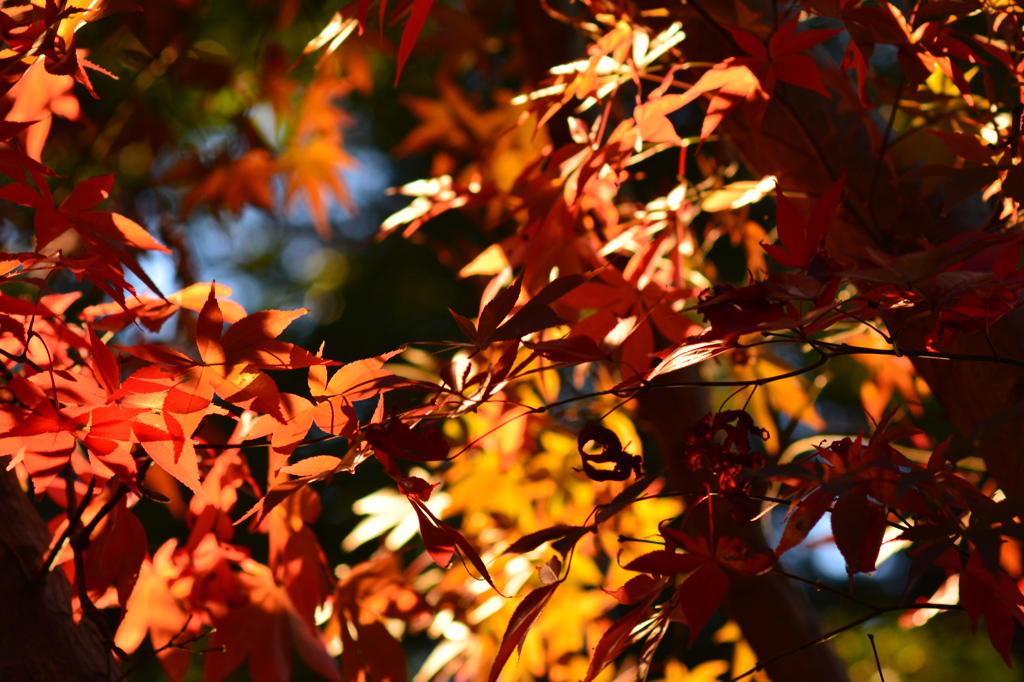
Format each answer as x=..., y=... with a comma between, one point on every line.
x=39, y=640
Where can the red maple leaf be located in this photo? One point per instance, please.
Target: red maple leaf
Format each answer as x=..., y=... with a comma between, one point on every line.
x=802, y=240
x=988, y=592
x=365, y=596
x=700, y=594
x=62, y=408
x=257, y=628
x=106, y=234
x=232, y=362
x=863, y=480
x=334, y=411
x=752, y=79
x=153, y=312
x=231, y=365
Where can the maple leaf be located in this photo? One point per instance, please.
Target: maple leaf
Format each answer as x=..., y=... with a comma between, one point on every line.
x=442, y=540
x=14, y=163
x=233, y=184
x=109, y=235
x=364, y=597
x=39, y=95
x=334, y=409
x=153, y=312
x=802, y=240
x=262, y=629
x=454, y=123
x=295, y=555
x=700, y=594
x=413, y=26
x=733, y=312
x=418, y=10
x=686, y=354
x=154, y=608
x=279, y=492
x=752, y=79
x=115, y=553
x=232, y=365
x=287, y=431
x=930, y=47
x=311, y=167
x=44, y=320
x=628, y=317
x=62, y=409
x=627, y=630
x=988, y=592
x=232, y=362
x=886, y=376
x=67, y=60
x=107, y=275
x=523, y=618
x=782, y=59
x=533, y=316
x=859, y=481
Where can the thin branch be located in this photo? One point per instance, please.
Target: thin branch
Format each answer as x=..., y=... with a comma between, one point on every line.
x=21, y=359
x=822, y=587
x=172, y=644
x=74, y=517
x=884, y=146
x=878, y=663
x=840, y=630
x=843, y=349
x=826, y=350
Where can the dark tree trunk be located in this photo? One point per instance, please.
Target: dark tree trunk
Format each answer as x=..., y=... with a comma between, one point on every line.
x=39, y=640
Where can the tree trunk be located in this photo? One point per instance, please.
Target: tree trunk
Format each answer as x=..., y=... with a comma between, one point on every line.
x=39, y=640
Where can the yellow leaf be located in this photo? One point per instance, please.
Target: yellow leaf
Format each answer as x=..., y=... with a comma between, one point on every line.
x=738, y=194
x=491, y=261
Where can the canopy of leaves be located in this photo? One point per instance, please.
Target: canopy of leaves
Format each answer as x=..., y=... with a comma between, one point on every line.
x=668, y=274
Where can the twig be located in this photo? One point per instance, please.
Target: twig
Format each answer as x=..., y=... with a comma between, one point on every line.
x=884, y=146
x=75, y=510
x=849, y=626
x=172, y=644
x=878, y=663
x=821, y=586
